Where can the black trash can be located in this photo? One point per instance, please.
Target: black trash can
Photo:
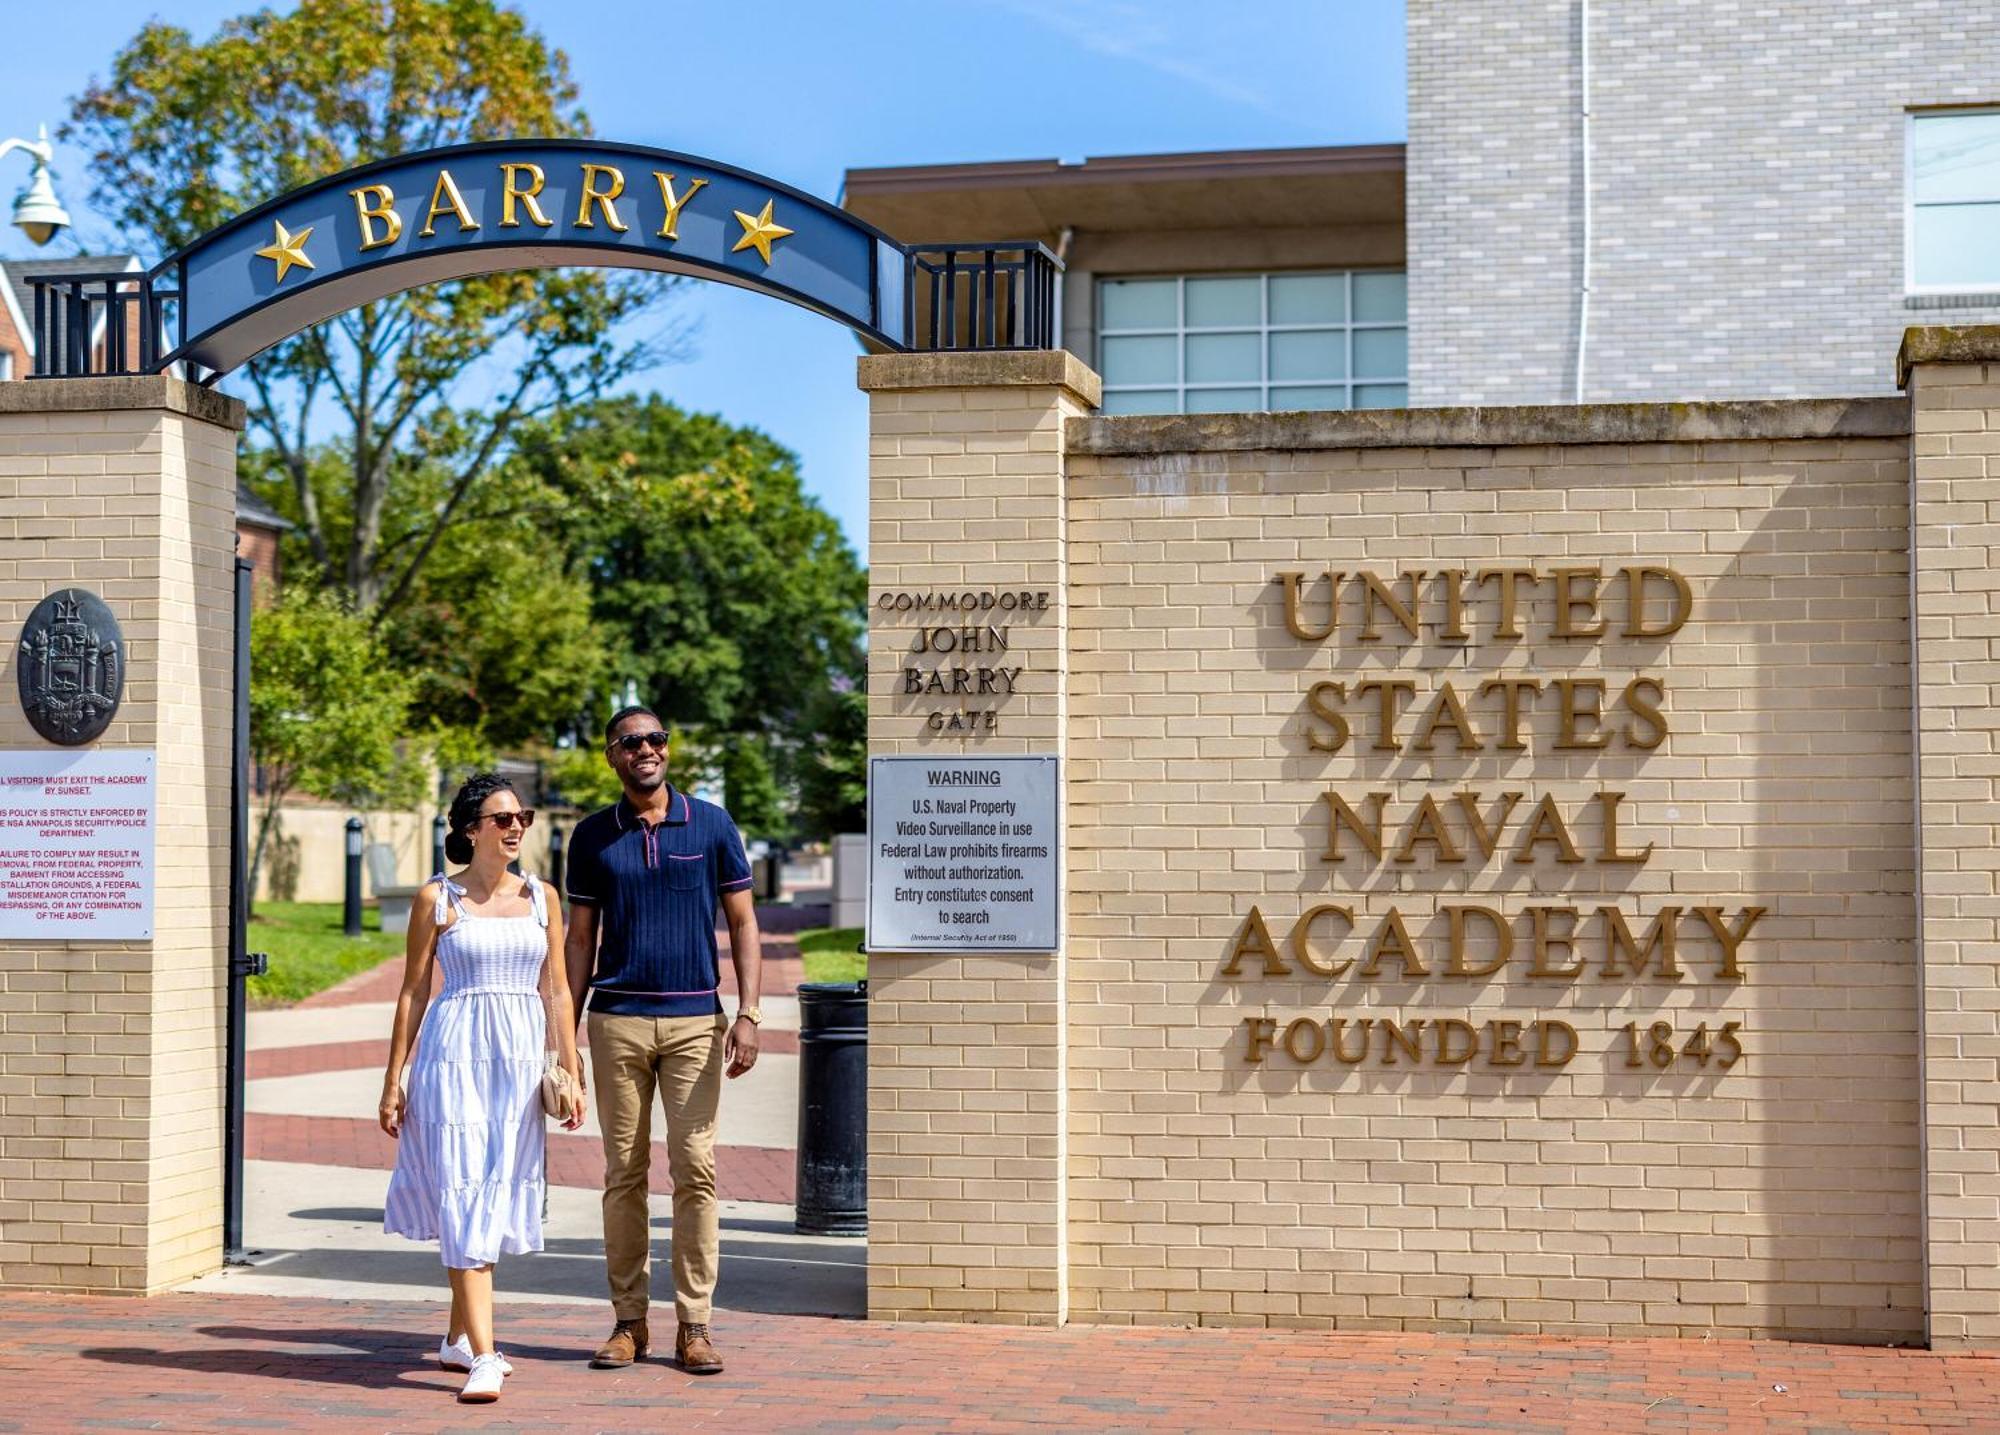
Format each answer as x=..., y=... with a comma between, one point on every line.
x=833, y=1109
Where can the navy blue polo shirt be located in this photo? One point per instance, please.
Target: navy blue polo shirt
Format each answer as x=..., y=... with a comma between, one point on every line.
x=656, y=888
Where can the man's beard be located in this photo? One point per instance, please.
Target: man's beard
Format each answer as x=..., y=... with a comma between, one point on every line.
x=646, y=784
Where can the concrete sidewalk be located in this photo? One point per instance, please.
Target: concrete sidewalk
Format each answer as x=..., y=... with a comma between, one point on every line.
x=317, y=1232
x=240, y=1362
x=318, y=1168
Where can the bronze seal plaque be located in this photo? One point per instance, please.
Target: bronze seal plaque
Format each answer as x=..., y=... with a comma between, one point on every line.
x=71, y=666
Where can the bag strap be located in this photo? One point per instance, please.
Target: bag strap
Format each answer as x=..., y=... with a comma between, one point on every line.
x=549, y=974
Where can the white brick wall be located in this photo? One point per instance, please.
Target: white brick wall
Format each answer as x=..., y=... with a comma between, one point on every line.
x=1748, y=192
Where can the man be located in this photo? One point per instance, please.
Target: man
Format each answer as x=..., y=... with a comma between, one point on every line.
x=644, y=879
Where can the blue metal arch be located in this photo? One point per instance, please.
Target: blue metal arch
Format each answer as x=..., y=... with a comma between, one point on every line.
x=234, y=302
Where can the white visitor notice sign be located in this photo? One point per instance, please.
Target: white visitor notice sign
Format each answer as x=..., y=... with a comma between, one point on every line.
x=76, y=845
x=963, y=854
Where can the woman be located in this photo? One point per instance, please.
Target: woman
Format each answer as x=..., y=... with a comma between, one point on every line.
x=469, y=1159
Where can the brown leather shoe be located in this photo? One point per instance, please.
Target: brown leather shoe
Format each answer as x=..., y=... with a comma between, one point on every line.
x=694, y=1351
x=629, y=1341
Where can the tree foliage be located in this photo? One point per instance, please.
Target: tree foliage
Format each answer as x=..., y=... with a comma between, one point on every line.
x=498, y=637
x=729, y=596
x=186, y=134
x=328, y=712
x=833, y=772
x=732, y=595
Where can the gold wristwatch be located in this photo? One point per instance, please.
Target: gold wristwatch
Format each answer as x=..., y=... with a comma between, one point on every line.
x=750, y=1014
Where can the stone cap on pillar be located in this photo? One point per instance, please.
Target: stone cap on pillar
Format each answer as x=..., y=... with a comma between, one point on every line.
x=137, y=391
x=981, y=369
x=1946, y=344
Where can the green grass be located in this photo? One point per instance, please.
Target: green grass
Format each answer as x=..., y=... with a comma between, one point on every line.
x=830, y=956
x=308, y=951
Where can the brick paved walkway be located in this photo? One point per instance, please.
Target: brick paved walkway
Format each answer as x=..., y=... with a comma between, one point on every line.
x=783, y=972
x=742, y=1173
x=374, y=1054
x=208, y=1362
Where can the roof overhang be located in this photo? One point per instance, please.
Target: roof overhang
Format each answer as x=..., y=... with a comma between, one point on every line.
x=1038, y=199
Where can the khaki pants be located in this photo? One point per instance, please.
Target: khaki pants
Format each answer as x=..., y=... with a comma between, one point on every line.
x=681, y=1056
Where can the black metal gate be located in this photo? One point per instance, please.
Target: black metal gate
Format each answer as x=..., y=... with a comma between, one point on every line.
x=243, y=963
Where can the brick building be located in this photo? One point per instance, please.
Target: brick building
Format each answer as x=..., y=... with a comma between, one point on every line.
x=1177, y=311
x=1773, y=196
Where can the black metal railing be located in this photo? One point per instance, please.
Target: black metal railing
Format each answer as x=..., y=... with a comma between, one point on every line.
x=983, y=296
x=87, y=324
x=957, y=297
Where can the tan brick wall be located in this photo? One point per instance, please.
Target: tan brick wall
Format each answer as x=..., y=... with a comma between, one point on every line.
x=110, y=1055
x=965, y=1058
x=1956, y=551
x=1780, y=1197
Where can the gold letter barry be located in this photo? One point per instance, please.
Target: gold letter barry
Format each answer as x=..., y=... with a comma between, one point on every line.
x=510, y=192
x=382, y=209
x=600, y=197
x=445, y=199
x=670, y=228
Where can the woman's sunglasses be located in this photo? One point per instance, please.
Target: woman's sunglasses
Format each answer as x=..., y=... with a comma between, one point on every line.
x=506, y=821
x=631, y=742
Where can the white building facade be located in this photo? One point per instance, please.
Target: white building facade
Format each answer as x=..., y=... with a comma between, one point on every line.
x=1774, y=194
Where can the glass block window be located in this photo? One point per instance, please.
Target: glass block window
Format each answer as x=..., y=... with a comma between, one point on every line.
x=1245, y=342
x=1952, y=230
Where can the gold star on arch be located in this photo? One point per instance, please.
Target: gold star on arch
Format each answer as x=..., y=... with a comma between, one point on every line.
x=287, y=250
x=758, y=232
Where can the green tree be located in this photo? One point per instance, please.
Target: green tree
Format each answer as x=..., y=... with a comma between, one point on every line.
x=733, y=600
x=498, y=637
x=582, y=778
x=833, y=772
x=326, y=711
x=750, y=787
x=185, y=134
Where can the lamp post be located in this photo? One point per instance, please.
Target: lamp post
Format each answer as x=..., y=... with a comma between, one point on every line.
x=352, y=906
x=37, y=212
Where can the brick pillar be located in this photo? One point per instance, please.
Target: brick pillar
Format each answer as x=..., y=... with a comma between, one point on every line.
x=1953, y=379
x=966, y=1105
x=111, y=1053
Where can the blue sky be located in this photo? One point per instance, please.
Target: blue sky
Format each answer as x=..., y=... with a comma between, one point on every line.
x=803, y=91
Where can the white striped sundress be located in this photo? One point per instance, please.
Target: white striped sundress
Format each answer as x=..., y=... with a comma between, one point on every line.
x=469, y=1160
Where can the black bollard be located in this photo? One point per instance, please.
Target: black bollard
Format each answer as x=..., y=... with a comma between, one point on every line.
x=833, y=1110
x=352, y=904
x=555, y=857
x=437, y=843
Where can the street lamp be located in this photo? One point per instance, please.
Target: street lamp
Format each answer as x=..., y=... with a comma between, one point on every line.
x=37, y=212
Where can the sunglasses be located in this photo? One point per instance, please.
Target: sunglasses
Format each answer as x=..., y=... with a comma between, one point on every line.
x=506, y=821
x=631, y=742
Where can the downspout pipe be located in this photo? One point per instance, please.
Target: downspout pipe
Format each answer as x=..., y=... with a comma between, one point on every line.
x=1583, y=135
x=1062, y=268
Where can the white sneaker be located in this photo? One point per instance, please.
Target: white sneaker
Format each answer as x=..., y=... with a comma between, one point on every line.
x=457, y=1355
x=483, y=1385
